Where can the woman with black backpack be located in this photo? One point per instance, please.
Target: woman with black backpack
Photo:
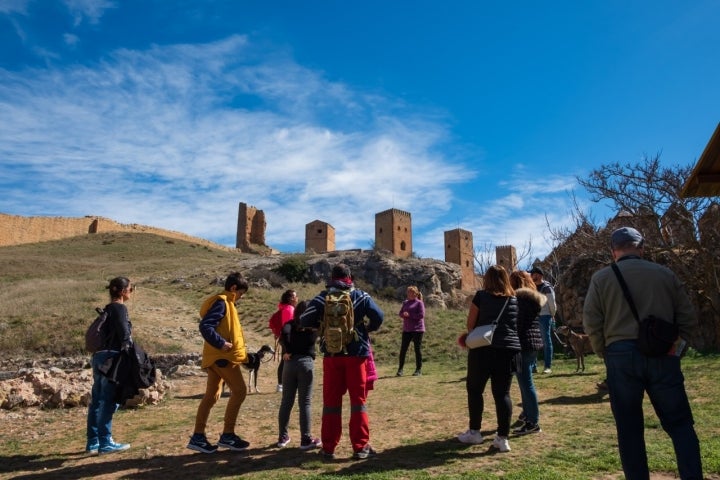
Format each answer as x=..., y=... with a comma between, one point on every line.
x=116, y=336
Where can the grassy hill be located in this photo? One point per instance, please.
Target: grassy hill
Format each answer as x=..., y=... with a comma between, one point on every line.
x=50, y=290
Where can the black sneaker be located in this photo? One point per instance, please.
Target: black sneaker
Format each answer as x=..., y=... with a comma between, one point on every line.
x=366, y=452
x=327, y=455
x=308, y=443
x=233, y=442
x=399, y=373
x=527, y=428
x=199, y=443
x=417, y=373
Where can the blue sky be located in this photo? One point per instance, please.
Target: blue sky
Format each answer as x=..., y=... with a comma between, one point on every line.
x=467, y=114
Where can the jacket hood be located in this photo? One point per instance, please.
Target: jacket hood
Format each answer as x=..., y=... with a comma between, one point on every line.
x=528, y=294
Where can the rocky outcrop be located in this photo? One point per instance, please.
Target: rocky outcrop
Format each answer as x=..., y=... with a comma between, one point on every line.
x=65, y=382
x=438, y=281
x=57, y=388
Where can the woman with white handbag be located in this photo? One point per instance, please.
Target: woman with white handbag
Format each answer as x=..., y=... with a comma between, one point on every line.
x=494, y=309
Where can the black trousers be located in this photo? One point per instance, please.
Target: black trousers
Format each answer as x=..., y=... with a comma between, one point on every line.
x=416, y=339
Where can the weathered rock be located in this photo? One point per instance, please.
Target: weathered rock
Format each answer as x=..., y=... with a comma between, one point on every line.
x=58, y=388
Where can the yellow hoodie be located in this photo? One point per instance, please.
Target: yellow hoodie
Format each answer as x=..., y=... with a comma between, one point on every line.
x=229, y=328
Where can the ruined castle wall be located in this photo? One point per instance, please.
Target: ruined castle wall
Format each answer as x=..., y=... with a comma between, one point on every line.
x=459, y=249
x=319, y=237
x=393, y=232
x=17, y=230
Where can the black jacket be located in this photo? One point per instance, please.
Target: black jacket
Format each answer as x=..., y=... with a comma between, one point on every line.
x=489, y=306
x=529, y=304
x=131, y=370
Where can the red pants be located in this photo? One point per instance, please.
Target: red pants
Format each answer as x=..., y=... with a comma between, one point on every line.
x=340, y=375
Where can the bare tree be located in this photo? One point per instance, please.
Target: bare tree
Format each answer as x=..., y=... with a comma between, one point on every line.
x=643, y=187
x=485, y=255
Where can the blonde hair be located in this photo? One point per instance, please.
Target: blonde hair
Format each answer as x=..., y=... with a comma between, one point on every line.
x=521, y=279
x=416, y=291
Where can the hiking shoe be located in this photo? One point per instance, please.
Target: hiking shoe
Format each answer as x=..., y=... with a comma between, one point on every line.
x=399, y=373
x=113, y=447
x=471, y=436
x=199, y=443
x=92, y=446
x=547, y=370
x=366, y=452
x=308, y=443
x=279, y=388
x=417, y=373
x=233, y=442
x=283, y=441
x=327, y=455
x=501, y=443
x=527, y=428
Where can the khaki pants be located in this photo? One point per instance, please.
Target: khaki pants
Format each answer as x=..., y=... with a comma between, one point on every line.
x=233, y=378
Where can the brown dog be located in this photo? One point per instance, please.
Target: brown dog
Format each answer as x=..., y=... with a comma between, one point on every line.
x=579, y=342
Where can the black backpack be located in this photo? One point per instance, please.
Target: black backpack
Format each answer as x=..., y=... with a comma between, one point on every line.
x=93, y=335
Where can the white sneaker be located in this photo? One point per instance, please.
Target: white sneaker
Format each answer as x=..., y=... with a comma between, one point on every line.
x=501, y=443
x=471, y=436
x=547, y=370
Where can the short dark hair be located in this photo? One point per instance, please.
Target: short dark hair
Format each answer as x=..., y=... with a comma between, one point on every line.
x=236, y=278
x=287, y=296
x=340, y=271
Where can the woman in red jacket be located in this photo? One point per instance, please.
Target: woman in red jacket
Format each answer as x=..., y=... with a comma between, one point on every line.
x=284, y=314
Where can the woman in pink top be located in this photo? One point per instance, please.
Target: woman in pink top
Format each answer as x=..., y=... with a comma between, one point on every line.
x=413, y=314
x=284, y=313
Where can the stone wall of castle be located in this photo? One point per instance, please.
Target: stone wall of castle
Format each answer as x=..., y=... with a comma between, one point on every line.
x=319, y=237
x=459, y=249
x=250, y=229
x=17, y=230
x=393, y=232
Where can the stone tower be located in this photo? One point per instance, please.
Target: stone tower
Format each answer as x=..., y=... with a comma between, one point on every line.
x=393, y=232
x=505, y=256
x=459, y=249
x=319, y=237
x=250, y=229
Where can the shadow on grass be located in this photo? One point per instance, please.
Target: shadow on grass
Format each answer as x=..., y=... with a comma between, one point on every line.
x=265, y=460
x=595, y=397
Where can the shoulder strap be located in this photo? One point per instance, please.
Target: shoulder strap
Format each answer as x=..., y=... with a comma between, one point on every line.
x=626, y=292
x=501, y=311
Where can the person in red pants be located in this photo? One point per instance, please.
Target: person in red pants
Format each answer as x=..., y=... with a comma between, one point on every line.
x=345, y=372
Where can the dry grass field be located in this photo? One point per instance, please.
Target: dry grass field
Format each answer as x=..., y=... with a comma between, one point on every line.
x=414, y=420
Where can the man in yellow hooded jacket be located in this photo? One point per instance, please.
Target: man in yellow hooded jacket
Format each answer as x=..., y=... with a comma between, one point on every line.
x=223, y=353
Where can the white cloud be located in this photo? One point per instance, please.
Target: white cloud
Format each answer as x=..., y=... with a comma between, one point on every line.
x=163, y=137
x=92, y=10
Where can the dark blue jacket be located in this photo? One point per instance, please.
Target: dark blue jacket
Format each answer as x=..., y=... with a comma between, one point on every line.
x=364, y=307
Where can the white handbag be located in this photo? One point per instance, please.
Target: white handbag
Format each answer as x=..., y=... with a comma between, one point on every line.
x=482, y=335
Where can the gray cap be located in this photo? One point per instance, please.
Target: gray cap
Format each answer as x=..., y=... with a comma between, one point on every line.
x=626, y=236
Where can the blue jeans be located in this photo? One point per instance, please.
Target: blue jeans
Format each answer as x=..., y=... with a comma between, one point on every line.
x=629, y=375
x=527, y=387
x=297, y=378
x=546, y=323
x=102, y=403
